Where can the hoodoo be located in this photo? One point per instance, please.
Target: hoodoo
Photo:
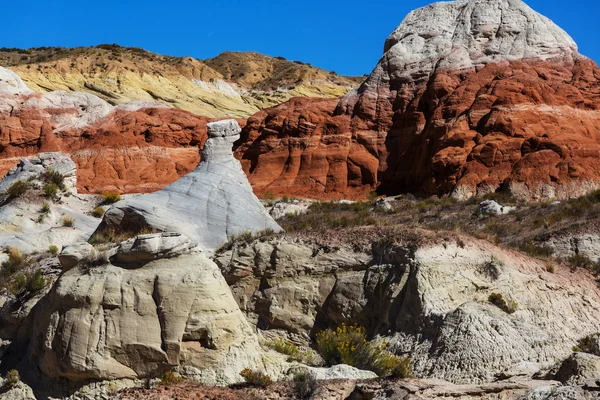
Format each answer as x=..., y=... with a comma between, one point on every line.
x=209, y=205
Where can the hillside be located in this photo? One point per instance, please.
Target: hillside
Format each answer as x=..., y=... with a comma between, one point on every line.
x=232, y=84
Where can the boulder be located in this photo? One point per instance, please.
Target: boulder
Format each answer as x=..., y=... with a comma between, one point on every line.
x=109, y=322
x=579, y=368
x=145, y=248
x=72, y=254
x=341, y=371
x=209, y=205
x=11, y=83
x=491, y=207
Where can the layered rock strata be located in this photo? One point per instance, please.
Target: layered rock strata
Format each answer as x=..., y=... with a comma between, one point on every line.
x=209, y=205
x=468, y=98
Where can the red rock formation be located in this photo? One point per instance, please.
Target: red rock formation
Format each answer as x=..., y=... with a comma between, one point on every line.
x=125, y=151
x=462, y=122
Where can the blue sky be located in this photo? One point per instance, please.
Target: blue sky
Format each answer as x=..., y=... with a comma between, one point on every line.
x=344, y=36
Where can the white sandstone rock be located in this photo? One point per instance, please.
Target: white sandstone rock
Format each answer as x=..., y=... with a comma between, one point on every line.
x=88, y=108
x=23, y=224
x=145, y=248
x=11, y=83
x=208, y=205
x=465, y=34
x=72, y=254
x=490, y=207
x=341, y=371
x=109, y=322
x=282, y=208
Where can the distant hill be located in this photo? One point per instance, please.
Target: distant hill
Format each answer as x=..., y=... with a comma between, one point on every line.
x=231, y=84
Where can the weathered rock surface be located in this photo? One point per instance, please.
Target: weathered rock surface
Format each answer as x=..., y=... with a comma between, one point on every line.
x=427, y=301
x=491, y=207
x=107, y=322
x=469, y=97
x=24, y=223
x=208, y=205
x=579, y=368
x=73, y=254
x=11, y=82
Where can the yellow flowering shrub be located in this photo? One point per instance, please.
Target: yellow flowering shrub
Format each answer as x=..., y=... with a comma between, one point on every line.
x=348, y=344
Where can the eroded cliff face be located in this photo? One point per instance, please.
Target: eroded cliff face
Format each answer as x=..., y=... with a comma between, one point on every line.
x=136, y=147
x=469, y=97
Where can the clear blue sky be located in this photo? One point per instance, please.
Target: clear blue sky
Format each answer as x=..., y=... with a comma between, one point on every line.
x=342, y=35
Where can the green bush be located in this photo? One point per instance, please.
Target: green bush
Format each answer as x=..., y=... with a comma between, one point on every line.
x=68, y=222
x=256, y=378
x=305, y=384
x=45, y=208
x=110, y=198
x=53, y=177
x=509, y=307
x=52, y=249
x=284, y=347
x=28, y=283
x=170, y=378
x=12, y=379
x=98, y=212
x=16, y=262
x=18, y=189
x=589, y=344
x=348, y=344
x=50, y=189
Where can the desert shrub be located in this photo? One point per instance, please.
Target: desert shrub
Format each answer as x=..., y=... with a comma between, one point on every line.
x=98, y=212
x=348, y=344
x=53, y=177
x=12, y=379
x=16, y=262
x=245, y=237
x=110, y=198
x=68, y=222
x=45, y=208
x=50, y=189
x=304, y=384
x=498, y=300
x=53, y=249
x=550, y=267
x=581, y=261
x=284, y=347
x=491, y=268
x=460, y=243
x=170, y=378
x=40, y=218
x=28, y=283
x=18, y=189
x=255, y=378
x=534, y=250
x=589, y=344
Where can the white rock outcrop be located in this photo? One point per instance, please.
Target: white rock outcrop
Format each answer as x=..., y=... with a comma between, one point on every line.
x=11, y=83
x=24, y=224
x=106, y=322
x=465, y=34
x=208, y=205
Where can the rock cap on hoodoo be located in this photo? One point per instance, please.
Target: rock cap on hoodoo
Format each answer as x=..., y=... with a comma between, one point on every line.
x=225, y=128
